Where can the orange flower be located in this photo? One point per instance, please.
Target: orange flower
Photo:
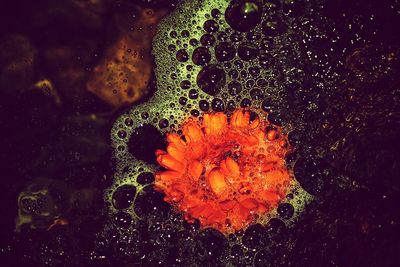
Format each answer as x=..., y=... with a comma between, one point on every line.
x=224, y=173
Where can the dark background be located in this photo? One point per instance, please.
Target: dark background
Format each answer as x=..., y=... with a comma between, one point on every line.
x=56, y=136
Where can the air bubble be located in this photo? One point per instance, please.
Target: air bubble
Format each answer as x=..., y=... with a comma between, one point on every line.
x=182, y=100
x=234, y=88
x=248, y=51
x=145, y=178
x=285, y=211
x=204, y=105
x=256, y=94
x=195, y=113
x=193, y=42
x=207, y=40
x=123, y=197
x=164, y=123
x=231, y=106
x=211, y=26
x=225, y=52
x=236, y=37
x=201, y=56
x=215, y=13
x=144, y=141
x=245, y=103
x=255, y=236
x=193, y=94
x=273, y=26
x=211, y=79
x=123, y=219
x=128, y=122
x=122, y=134
x=217, y=105
x=243, y=15
x=266, y=61
x=182, y=55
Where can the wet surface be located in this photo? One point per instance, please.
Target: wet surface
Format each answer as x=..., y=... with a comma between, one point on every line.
x=71, y=73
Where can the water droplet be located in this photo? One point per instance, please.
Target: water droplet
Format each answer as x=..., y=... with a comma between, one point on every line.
x=145, y=178
x=211, y=26
x=123, y=197
x=163, y=123
x=123, y=219
x=201, y=56
x=217, y=105
x=248, y=51
x=182, y=55
x=204, y=105
x=193, y=94
x=211, y=79
x=185, y=84
x=207, y=40
x=285, y=211
x=234, y=88
x=243, y=15
x=224, y=52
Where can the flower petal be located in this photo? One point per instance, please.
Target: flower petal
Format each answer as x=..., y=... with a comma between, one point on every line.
x=230, y=167
x=240, y=119
x=215, y=123
x=192, y=132
x=254, y=124
x=195, y=169
x=217, y=182
x=173, y=138
x=169, y=162
x=249, y=203
x=167, y=175
x=176, y=152
x=270, y=197
x=197, y=150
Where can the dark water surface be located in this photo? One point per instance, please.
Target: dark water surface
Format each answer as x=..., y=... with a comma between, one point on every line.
x=66, y=75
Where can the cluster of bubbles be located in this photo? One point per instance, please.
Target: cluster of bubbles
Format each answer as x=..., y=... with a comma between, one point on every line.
x=216, y=56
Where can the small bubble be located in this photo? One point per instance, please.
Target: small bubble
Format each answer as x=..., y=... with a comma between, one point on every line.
x=185, y=84
x=173, y=34
x=193, y=94
x=182, y=55
x=122, y=134
x=193, y=42
x=245, y=103
x=207, y=40
x=248, y=51
x=211, y=79
x=243, y=15
x=225, y=52
x=234, y=88
x=211, y=26
x=231, y=105
x=145, y=178
x=215, y=13
x=182, y=100
x=171, y=47
x=201, y=56
x=195, y=112
x=204, y=105
x=217, y=105
x=185, y=33
x=163, y=123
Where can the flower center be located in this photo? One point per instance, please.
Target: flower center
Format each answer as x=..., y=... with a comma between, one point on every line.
x=225, y=173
